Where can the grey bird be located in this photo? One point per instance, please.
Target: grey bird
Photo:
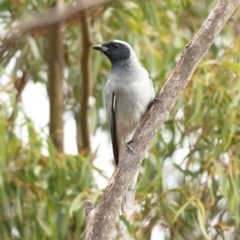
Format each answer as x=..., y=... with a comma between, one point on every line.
x=128, y=94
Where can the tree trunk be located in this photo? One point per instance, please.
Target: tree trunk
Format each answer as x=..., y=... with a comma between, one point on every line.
x=83, y=138
x=55, y=79
x=101, y=220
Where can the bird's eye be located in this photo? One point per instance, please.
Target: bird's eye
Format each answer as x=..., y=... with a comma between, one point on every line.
x=116, y=46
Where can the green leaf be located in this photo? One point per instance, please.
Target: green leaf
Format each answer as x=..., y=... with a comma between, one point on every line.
x=166, y=207
x=76, y=204
x=44, y=226
x=189, y=201
x=201, y=223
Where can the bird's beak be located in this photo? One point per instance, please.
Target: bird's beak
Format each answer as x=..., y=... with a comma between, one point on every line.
x=100, y=48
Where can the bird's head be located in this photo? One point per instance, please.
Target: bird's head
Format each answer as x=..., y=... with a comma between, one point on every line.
x=116, y=50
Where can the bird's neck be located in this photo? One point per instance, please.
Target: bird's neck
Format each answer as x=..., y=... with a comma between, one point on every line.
x=126, y=64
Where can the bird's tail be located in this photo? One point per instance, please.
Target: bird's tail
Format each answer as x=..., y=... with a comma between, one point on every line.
x=129, y=199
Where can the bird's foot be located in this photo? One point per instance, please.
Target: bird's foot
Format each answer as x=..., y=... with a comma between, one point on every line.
x=153, y=101
x=128, y=147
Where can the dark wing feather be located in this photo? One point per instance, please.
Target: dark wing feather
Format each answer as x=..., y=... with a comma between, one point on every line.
x=113, y=129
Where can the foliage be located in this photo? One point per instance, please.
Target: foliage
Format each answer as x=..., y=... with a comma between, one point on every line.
x=40, y=194
x=189, y=182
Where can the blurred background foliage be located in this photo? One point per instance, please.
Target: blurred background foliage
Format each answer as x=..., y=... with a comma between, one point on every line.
x=189, y=182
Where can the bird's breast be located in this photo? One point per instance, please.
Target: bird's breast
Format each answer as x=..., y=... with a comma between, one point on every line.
x=132, y=101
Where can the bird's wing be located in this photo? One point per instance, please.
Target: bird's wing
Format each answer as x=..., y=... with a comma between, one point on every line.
x=110, y=105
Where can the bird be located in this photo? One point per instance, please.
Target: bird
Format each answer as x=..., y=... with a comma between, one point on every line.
x=128, y=94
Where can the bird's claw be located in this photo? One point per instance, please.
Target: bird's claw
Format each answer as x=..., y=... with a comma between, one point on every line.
x=128, y=147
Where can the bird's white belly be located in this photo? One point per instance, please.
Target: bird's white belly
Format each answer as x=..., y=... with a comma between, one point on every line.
x=127, y=123
x=129, y=113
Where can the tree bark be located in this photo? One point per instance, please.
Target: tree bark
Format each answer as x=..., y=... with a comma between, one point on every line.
x=55, y=81
x=101, y=220
x=86, y=86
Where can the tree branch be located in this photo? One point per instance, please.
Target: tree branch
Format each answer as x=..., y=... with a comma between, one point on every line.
x=43, y=19
x=104, y=215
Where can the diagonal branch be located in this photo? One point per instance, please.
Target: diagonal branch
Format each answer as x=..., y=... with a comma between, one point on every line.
x=44, y=19
x=103, y=217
